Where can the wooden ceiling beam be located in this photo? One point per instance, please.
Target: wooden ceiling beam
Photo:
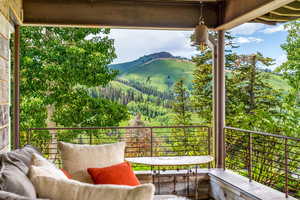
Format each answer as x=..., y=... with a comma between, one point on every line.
x=236, y=13
x=286, y=12
x=276, y=18
x=117, y=14
x=294, y=6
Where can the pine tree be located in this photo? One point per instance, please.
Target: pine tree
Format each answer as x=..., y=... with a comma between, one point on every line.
x=291, y=68
x=181, y=104
x=202, y=93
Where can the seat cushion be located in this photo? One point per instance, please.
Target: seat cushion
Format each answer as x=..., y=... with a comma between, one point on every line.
x=120, y=174
x=59, y=189
x=78, y=158
x=14, y=167
x=11, y=196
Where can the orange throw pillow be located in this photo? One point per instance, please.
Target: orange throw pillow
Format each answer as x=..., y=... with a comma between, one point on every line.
x=120, y=174
x=68, y=175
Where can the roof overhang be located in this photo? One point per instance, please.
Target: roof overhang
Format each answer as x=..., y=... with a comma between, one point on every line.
x=157, y=14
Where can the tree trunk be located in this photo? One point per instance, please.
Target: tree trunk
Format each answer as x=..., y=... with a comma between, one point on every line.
x=53, y=142
x=252, y=84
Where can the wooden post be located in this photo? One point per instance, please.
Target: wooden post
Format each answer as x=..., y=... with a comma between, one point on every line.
x=16, y=102
x=212, y=43
x=219, y=100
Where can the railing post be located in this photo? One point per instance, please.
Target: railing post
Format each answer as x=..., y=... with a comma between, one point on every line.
x=219, y=99
x=91, y=138
x=286, y=169
x=208, y=145
x=28, y=136
x=16, y=102
x=224, y=157
x=250, y=157
x=151, y=142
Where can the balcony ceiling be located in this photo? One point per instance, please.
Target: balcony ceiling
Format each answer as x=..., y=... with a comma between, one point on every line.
x=158, y=14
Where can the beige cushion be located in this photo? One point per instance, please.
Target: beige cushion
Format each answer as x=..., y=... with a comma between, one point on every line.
x=77, y=158
x=42, y=167
x=59, y=189
x=38, y=160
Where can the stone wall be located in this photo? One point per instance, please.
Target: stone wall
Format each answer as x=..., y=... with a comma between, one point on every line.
x=4, y=82
x=11, y=9
x=179, y=181
x=10, y=13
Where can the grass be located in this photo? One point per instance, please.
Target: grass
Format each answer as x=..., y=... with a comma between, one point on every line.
x=159, y=70
x=279, y=83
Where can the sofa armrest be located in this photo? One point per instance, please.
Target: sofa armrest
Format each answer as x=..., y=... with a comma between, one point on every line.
x=60, y=189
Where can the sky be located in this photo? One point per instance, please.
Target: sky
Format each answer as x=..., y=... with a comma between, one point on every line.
x=251, y=37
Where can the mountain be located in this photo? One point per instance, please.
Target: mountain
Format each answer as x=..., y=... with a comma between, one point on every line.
x=160, y=70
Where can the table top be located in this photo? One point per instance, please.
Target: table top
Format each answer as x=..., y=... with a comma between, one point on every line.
x=171, y=161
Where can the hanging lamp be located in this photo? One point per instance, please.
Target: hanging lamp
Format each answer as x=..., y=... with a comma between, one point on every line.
x=201, y=31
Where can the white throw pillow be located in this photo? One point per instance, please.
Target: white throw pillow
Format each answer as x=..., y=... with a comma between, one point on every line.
x=47, y=171
x=38, y=160
x=42, y=167
x=76, y=158
x=59, y=189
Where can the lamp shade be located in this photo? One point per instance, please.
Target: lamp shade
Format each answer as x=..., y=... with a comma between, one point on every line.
x=201, y=36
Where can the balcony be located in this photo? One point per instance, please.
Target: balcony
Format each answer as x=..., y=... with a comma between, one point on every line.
x=258, y=165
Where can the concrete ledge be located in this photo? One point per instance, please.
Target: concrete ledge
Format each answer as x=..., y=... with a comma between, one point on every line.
x=225, y=183
x=218, y=184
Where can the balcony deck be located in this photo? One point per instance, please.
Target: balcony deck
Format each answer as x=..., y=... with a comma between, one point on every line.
x=258, y=165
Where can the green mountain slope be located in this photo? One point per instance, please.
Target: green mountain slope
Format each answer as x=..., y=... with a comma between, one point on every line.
x=162, y=70
x=162, y=74
x=279, y=83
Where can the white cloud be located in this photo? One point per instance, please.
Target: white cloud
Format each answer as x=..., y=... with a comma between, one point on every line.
x=245, y=40
x=131, y=44
x=281, y=59
x=274, y=29
x=247, y=29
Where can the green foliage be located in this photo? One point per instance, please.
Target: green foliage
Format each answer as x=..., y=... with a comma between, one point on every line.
x=254, y=101
x=249, y=94
x=34, y=111
x=202, y=92
x=162, y=73
x=202, y=79
x=291, y=68
x=181, y=104
x=57, y=67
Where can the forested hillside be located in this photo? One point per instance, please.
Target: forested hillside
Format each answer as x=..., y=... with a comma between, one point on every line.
x=146, y=85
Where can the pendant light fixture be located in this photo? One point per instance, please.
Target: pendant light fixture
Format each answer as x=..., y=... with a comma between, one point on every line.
x=201, y=31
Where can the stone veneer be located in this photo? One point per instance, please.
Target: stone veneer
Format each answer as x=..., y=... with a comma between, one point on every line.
x=5, y=29
x=10, y=13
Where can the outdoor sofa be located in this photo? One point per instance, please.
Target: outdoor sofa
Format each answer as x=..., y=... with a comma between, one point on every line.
x=26, y=175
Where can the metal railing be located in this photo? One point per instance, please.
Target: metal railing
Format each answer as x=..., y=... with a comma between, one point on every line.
x=273, y=160
x=270, y=159
x=140, y=141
